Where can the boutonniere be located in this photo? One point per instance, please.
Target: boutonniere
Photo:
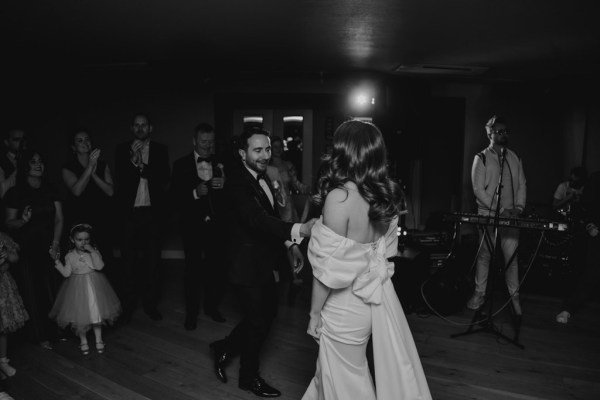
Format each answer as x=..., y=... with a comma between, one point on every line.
x=279, y=193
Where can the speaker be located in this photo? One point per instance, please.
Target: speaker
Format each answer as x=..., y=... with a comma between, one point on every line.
x=448, y=289
x=410, y=271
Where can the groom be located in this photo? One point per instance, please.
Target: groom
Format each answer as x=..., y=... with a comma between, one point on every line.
x=256, y=248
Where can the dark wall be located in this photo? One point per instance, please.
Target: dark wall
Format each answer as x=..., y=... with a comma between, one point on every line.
x=434, y=124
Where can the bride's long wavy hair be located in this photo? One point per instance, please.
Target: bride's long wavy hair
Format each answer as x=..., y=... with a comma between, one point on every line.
x=359, y=156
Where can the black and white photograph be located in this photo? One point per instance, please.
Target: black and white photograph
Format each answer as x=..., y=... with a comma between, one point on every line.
x=315, y=200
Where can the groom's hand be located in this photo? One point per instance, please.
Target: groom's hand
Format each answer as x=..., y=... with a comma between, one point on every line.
x=307, y=227
x=297, y=259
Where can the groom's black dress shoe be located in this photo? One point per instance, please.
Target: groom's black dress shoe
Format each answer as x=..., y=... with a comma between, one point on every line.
x=220, y=359
x=259, y=387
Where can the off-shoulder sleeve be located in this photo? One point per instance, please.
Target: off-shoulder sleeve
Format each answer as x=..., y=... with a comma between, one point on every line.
x=391, y=239
x=334, y=259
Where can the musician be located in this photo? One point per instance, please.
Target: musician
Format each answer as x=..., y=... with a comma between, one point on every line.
x=589, y=281
x=567, y=202
x=569, y=192
x=485, y=176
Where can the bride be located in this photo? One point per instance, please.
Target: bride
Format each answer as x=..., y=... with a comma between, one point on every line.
x=353, y=297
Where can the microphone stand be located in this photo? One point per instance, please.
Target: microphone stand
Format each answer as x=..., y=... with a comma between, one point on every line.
x=487, y=323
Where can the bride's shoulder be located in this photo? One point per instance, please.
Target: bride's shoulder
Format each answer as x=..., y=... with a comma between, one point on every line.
x=341, y=198
x=336, y=201
x=343, y=193
x=337, y=195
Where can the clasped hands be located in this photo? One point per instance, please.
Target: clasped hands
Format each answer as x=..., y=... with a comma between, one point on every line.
x=54, y=251
x=93, y=160
x=592, y=229
x=26, y=214
x=136, y=152
x=217, y=183
x=511, y=212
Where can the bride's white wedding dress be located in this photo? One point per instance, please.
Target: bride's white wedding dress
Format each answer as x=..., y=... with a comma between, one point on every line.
x=362, y=303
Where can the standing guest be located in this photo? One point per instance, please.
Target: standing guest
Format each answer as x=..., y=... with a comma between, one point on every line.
x=353, y=297
x=294, y=154
x=197, y=188
x=289, y=181
x=12, y=311
x=567, y=202
x=142, y=176
x=34, y=215
x=89, y=183
x=485, y=177
x=589, y=281
x=283, y=175
x=14, y=143
x=85, y=299
x=256, y=234
x=569, y=192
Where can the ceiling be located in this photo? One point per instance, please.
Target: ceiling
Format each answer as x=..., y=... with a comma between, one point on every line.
x=509, y=39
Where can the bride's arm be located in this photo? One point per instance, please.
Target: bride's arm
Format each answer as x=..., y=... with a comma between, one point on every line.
x=319, y=295
x=335, y=217
x=320, y=292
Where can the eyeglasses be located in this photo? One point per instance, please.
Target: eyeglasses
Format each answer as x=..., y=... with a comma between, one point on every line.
x=500, y=131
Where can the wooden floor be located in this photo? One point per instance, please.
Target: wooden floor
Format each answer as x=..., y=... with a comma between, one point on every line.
x=161, y=360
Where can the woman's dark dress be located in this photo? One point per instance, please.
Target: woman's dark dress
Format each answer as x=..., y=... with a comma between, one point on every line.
x=38, y=279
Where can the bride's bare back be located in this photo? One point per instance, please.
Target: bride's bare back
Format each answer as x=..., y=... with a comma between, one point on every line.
x=346, y=212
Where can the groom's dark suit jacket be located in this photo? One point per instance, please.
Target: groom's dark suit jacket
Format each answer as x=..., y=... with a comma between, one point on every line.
x=257, y=234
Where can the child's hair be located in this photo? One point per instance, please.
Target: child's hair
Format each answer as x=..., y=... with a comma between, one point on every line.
x=79, y=228
x=75, y=229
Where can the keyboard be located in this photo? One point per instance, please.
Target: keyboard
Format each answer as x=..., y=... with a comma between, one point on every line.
x=521, y=223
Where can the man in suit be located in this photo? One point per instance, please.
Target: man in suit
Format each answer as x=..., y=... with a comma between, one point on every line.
x=257, y=244
x=197, y=190
x=142, y=176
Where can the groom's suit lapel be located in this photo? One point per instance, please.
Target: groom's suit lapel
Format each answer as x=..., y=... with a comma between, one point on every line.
x=260, y=193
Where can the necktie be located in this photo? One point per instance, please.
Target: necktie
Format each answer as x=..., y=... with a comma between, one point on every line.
x=200, y=159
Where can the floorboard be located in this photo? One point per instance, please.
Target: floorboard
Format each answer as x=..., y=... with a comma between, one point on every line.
x=146, y=360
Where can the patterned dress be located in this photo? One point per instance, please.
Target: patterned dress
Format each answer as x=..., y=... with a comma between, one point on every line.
x=12, y=311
